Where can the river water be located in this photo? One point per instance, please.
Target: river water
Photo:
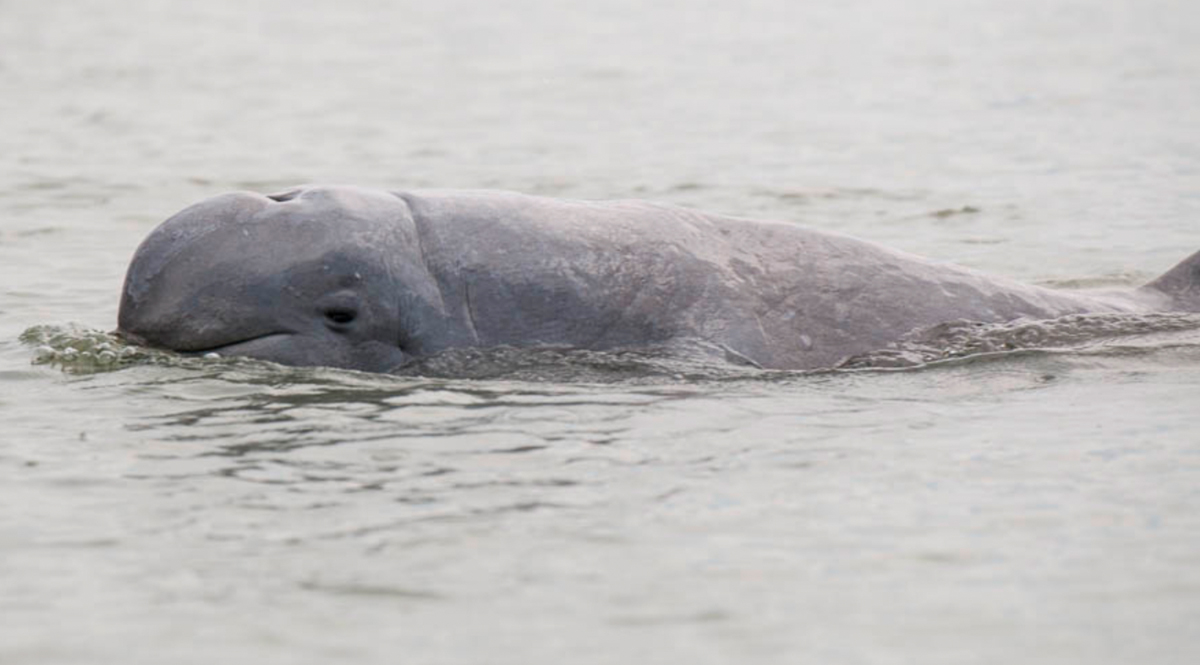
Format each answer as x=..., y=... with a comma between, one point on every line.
x=1034, y=506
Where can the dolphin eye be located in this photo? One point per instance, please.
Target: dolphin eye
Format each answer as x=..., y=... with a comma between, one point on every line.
x=340, y=315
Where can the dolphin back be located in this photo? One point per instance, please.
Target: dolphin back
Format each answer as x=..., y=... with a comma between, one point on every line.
x=1181, y=284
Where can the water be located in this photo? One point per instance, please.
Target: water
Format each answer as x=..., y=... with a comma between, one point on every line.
x=1038, y=505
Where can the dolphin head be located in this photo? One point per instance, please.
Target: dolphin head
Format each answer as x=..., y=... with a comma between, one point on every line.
x=328, y=276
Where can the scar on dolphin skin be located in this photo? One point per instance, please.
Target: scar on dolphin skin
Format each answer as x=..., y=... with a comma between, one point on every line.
x=470, y=306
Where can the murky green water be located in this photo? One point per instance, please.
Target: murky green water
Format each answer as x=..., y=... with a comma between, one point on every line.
x=1040, y=506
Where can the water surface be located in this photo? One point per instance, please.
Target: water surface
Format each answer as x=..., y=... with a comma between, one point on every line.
x=1038, y=505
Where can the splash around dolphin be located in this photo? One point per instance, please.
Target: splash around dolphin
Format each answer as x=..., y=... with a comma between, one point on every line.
x=370, y=280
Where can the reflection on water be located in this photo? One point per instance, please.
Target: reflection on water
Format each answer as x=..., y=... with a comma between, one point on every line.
x=286, y=418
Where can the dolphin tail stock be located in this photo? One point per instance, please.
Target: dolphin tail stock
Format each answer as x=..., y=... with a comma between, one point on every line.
x=1181, y=284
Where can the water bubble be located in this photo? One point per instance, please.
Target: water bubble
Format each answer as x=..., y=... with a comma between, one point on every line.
x=76, y=349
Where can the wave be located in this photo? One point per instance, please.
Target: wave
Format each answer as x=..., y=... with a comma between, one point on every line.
x=79, y=350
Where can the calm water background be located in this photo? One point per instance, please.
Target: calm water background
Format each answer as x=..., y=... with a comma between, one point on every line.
x=1032, y=508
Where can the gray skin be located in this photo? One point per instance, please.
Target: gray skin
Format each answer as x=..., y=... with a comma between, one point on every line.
x=366, y=279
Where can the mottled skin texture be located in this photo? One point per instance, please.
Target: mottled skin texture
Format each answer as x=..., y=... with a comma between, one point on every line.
x=367, y=279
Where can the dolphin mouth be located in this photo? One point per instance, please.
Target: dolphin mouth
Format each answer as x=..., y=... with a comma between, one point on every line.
x=129, y=338
x=233, y=348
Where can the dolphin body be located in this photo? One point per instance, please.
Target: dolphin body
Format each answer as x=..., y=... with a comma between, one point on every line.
x=369, y=280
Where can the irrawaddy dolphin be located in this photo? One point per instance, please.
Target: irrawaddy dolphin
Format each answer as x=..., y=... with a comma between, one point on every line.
x=369, y=280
